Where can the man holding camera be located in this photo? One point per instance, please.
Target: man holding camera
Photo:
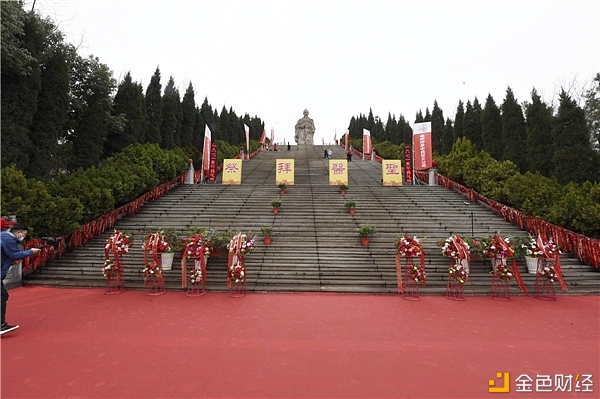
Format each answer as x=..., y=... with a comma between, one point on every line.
x=11, y=251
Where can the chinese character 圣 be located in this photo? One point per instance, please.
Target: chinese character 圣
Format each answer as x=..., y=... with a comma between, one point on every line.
x=391, y=169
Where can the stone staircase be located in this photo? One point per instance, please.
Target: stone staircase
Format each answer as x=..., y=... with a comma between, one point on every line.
x=315, y=245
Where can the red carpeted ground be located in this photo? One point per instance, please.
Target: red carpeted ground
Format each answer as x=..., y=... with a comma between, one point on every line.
x=80, y=343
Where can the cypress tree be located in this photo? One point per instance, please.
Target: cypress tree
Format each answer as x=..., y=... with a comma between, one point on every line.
x=198, y=135
x=390, y=128
x=419, y=117
x=91, y=117
x=129, y=104
x=539, y=125
x=574, y=160
x=514, y=132
x=49, y=122
x=437, y=128
x=491, y=129
x=153, y=102
x=458, y=120
x=427, y=117
x=448, y=139
x=472, y=123
x=170, y=127
x=188, y=117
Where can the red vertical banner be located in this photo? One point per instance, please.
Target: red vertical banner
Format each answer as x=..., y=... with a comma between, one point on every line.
x=422, y=146
x=408, y=165
x=367, y=145
x=212, y=171
x=272, y=137
x=263, y=137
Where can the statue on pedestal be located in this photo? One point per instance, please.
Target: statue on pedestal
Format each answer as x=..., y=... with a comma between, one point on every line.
x=305, y=130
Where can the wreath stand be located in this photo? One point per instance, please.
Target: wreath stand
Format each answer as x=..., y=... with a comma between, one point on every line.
x=544, y=288
x=198, y=289
x=455, y=290
x=154, y=285
x=410, y=286
x=500, y=290
x=115, y=283
x=235, y=262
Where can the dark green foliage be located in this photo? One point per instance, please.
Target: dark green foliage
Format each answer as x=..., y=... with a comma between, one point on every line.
x=153, y=101
x=491, y=129
x=129, y=104
x=578, y=208
x=49, y=122
x=514, y=132
x=188, y=117
x=387, y=150
x=472, y=123
x=592, y=112
x=35, y=208
x=91, y=118
x=170, y=128
x=448, y=137
x=539, y=123
x=574, y=159
x=437, y=128
x=458, y=120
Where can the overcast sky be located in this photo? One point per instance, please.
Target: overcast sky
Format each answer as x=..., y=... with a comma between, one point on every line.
x=273, y=59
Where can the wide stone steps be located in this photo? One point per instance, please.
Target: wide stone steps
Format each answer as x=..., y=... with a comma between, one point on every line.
x=315, y=246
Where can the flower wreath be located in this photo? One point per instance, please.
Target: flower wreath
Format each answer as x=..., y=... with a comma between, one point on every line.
x=237, y=273
x=408, y=246
x=122, y=241
x=458, y=272
x=195, y=276
x=109, y=268
x=152, y=271
x=194, y=248
x=549, y=273
x=417, y=273
x=246, y=245
x=502, y=271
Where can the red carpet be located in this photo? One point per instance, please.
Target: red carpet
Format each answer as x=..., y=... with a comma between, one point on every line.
x=80, y=343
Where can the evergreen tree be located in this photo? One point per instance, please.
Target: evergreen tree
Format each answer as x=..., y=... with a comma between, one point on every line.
x=170, y=128
x=128, y=104
x=91, y=111
x=514, y=132
x=419, y=117
x=574, y=160
x=153, y=102
x=370, y=122
x=406, y=131
x=539, y=121
x=188, y=117
x=427, y=117
x=24, y=35
x=592, y=112
x=448, y=139
x=437, y=128
x=198, y=135
x=458, y=120
x=472, y=123
x=491, y=129
x=390, y=128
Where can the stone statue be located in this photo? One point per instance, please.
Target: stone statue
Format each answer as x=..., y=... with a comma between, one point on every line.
x=305, y=130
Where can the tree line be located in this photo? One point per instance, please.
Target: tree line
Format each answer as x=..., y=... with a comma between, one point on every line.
x=62, y=112
x=562, y=143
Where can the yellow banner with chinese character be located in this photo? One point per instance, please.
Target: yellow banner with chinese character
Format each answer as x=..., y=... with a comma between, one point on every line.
x=392, y=172
x=232, y=171
x=284, y=173
x=338, y=172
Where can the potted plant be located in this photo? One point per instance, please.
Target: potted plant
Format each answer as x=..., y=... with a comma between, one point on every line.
x=365, y=232
x=175, y=246
x=350, y=204
x=282, y=187
x=266, y=231
x=343, y=187
x=276, y=203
